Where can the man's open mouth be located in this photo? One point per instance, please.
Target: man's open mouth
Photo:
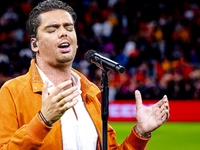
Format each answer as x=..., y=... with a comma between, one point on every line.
x=64, y=45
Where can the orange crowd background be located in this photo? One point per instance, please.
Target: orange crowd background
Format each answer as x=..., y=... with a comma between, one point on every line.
x=156, y=41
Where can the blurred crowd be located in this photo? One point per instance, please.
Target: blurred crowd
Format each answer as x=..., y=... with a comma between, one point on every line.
x=157, y=41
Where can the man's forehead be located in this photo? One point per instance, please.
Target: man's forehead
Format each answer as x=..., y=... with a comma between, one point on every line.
x=58, y=16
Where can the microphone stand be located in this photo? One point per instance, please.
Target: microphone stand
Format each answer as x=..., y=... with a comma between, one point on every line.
x=104, y=105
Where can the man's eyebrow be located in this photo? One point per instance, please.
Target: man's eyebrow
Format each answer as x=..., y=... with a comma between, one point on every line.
x=51, y=25
x=57, y=25
x=68, y=24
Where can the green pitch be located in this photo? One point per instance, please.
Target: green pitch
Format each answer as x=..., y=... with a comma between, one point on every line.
x=170, y=136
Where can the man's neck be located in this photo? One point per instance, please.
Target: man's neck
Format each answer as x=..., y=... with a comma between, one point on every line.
x=56, y=75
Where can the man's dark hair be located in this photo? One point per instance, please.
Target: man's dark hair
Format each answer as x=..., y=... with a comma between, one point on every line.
x=34, y=20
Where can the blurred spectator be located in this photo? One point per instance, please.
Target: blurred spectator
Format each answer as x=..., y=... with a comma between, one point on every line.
x=9, y=18
x=4, y=63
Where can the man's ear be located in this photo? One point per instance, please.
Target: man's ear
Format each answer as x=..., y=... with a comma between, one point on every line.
x=34, y=46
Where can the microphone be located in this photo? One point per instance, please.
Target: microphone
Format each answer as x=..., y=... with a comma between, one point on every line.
x=102, y=62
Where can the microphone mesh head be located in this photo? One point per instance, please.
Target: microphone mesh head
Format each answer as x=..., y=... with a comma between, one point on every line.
x=88, y=55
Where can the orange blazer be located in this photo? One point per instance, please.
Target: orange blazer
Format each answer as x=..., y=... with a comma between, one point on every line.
x=21, y=129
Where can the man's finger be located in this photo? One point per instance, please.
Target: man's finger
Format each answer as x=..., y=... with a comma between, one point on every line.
x=45, y=90
x=69, y=98
x=65, y=93
x=161, y=102
x=60, y=87
x=69, y=105
x=138, y=98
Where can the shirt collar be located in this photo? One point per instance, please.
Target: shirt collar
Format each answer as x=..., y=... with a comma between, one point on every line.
x=44, y=78
x=74, y=76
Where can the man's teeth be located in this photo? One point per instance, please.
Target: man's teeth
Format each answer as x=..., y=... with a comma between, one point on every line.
x=64, y=45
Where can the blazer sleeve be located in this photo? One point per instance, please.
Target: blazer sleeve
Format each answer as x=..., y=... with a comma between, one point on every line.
x=26, y=137
x=132, y=142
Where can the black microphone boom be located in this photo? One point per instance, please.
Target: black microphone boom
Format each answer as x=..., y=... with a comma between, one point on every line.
x=102, y=62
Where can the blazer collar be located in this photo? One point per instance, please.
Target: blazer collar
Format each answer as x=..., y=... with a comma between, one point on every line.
x=87, y=87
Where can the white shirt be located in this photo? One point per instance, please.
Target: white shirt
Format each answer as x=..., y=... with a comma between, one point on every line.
x=78, y=134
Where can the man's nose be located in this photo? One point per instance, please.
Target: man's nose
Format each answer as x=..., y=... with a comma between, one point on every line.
x=63, y=32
